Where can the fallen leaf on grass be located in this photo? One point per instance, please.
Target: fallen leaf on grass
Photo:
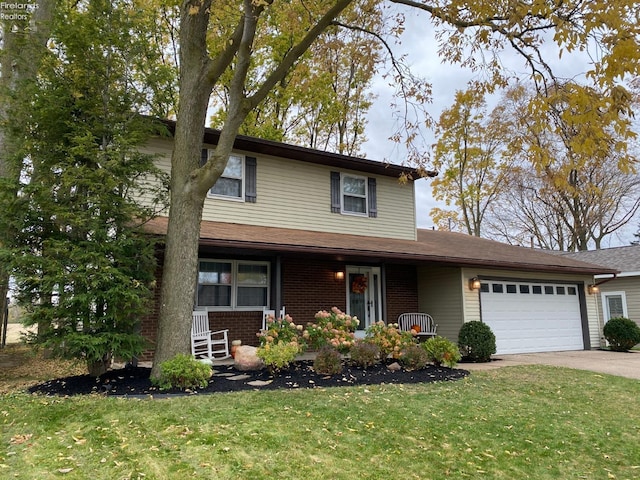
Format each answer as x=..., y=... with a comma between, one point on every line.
x=20, y=438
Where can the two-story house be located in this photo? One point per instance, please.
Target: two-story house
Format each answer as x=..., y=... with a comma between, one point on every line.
x=309, y=230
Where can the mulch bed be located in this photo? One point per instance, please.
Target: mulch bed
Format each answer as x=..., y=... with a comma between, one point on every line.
x=134, y=381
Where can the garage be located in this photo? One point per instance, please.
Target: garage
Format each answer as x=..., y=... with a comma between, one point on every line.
x=531, y=317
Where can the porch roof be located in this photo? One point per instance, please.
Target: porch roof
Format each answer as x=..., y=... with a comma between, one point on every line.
x=435, y=247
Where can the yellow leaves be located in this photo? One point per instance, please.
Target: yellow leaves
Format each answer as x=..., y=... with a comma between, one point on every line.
x=19, y=439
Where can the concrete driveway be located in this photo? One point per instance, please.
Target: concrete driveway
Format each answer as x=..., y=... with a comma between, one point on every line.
x=623, y=364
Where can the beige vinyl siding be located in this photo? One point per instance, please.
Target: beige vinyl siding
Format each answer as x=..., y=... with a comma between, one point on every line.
x=472, y=297
x=294, y=194
x=440, y=295
x=161, y=150
x=631, y=288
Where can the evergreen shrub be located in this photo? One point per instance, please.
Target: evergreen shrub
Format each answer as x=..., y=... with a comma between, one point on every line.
x=476, y=341
x=622, y=334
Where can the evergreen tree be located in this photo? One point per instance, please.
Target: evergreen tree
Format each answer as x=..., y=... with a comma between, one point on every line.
x=81, y=264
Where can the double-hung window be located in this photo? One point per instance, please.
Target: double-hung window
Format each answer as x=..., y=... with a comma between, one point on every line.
x=353, y=195
x=232, y=284
x=231, y=182
x=238, y=180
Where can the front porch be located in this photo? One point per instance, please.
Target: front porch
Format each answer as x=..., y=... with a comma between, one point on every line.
x=305, y=286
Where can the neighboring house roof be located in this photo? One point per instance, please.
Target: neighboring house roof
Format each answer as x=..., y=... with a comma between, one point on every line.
x=625, y=259
x=431, y=247
x=303, y=154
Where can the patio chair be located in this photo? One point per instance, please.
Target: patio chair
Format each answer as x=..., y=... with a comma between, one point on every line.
x=422, y=323
x=204, y=342
x=266, y=313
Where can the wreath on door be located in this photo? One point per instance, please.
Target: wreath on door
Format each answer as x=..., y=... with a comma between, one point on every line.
x=359, y=284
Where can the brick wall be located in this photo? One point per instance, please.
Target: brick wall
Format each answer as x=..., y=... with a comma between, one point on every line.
x=402, y=290
x=308, y=286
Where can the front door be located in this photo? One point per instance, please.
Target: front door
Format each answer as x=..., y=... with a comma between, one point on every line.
x=364, y=298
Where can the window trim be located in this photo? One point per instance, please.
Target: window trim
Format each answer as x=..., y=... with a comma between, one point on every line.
x=234, y=286
x=606, y=314
x=365, y=196
x=243, y=181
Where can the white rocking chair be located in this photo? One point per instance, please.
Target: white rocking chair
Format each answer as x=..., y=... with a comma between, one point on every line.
x=266, y=313
x=204, y=342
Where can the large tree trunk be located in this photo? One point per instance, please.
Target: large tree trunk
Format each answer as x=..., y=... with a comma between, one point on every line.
x=187, y=198
x=189, y=182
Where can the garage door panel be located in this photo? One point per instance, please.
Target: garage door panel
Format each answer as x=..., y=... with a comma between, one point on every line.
x=528, y=322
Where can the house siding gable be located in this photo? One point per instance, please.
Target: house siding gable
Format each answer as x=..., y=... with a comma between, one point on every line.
x=294, y=194
x=631, y=287
x=441, y=297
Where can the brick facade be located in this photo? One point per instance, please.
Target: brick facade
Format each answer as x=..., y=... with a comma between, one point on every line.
x=310, y=286
x=307, y=287
x=402, y=290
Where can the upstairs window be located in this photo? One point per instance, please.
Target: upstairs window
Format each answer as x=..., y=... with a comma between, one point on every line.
x=238, y=181
x=231, y=182
x=353, y=195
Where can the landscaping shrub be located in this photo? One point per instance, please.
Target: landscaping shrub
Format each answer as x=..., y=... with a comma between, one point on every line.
x=389, y=338
x=476, y=341
x=365, y=354
x=328, y=361
x=413, y=357
x=622, y=334
x=277, y=356
x=334, y=328
x=440, y=350
x=282, y=330
x=183, y=371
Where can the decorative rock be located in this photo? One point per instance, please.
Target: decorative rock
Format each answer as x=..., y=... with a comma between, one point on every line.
x=394, y=367
x=246, y=359
x=259, y=383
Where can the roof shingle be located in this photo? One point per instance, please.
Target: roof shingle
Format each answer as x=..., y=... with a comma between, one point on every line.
x=431, y=247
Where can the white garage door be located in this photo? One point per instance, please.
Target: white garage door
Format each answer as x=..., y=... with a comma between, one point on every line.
x=532, y=317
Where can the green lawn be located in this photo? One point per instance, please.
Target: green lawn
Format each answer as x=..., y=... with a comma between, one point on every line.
x=512, y=423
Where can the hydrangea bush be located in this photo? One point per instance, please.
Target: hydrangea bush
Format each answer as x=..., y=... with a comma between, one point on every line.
x=334, y=328
x=280, y=342
x=389, y=338
x=281, y=330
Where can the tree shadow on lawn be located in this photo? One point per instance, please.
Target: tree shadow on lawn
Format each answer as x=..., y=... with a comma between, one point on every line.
x=134, y=381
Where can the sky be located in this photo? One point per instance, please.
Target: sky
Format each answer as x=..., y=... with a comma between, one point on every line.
x=419, y=45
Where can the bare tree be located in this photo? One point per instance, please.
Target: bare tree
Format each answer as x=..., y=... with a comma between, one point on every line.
x=563, y=195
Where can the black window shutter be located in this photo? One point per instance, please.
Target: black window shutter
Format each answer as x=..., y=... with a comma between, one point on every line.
x=250, y=180
x=335, y=192
x=204, y=157
x=373, y=200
